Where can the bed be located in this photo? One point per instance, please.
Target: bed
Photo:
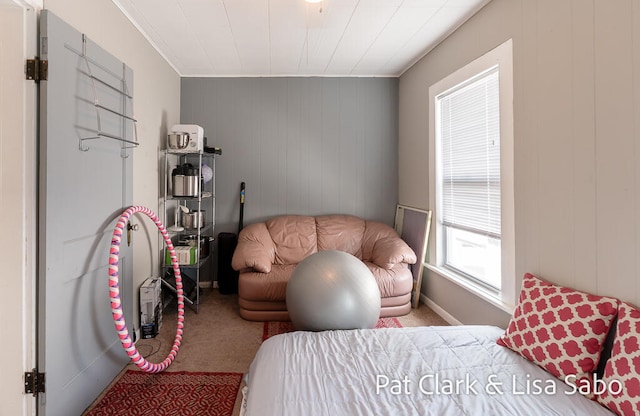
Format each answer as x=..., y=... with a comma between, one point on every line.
x=458, y=370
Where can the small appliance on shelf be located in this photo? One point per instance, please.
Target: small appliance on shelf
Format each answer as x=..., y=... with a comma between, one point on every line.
x=185, y=181
x=186, y=138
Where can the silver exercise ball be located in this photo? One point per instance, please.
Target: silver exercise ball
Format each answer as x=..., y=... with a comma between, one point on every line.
x=332, y=290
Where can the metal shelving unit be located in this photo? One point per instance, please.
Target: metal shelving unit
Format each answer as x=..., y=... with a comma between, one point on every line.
x=205, y=200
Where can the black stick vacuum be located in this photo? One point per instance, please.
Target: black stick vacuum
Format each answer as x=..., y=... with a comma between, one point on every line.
x=241, y=220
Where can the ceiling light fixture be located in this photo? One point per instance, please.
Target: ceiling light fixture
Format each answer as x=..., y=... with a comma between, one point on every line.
x=306, y=38
x=320, y=2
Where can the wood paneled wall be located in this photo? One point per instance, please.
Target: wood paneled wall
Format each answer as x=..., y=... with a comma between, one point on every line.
x=305, y=146
x=577, y=138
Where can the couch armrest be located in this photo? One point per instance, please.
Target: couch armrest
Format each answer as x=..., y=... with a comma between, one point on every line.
x=255, y=249
x=389, y=251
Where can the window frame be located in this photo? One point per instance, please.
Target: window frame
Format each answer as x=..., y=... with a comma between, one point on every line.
x=502, y=57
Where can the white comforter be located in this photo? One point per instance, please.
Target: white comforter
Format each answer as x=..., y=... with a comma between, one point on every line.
x=458, y=370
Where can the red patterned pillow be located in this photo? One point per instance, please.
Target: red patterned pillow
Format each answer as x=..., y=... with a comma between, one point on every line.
x=622, y=372
x=560, y=329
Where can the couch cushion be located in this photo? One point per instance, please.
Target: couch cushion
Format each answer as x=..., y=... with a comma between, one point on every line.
x=255, y=249
x=389, y=251
x=340, y=232
x=294, y=238
x=375, y=231
x=396, y=281
x=271, y=287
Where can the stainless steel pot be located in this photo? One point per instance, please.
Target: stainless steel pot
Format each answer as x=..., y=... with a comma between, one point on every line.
x=193, y=219
x=185, y=185
x=185, y=180
x=177, y=141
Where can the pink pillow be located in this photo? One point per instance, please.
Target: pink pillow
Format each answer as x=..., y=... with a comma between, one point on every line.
x=560, y=329
x=621, y=391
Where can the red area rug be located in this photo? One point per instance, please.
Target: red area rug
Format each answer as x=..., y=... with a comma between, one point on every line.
x=272, y=328
x=170, y=393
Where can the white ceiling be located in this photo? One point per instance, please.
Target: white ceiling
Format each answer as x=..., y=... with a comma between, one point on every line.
x=293, y=38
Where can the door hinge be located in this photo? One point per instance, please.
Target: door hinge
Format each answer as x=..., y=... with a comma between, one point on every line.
x=37, y=70
x=33, y=382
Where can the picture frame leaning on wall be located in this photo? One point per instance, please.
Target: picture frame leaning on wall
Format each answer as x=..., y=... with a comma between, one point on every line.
x=413, y=226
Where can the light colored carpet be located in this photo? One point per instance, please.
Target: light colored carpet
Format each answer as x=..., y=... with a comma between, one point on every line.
x=218, y=339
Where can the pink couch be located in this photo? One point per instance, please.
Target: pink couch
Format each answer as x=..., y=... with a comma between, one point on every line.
x=267, y=253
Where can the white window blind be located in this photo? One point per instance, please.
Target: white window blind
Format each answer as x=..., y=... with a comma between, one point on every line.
x=469, y=127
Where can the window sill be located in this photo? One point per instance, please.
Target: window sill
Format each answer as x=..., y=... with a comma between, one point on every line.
x=492, y=298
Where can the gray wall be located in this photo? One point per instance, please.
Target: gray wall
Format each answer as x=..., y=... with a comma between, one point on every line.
x=305, y=146
x=577, y=141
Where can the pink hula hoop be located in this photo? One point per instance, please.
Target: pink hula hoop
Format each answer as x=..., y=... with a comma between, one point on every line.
x=114, y=293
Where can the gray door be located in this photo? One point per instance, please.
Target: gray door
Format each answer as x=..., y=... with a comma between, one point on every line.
x=83, y=188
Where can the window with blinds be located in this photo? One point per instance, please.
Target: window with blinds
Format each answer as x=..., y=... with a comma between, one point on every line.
x=468, y=134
